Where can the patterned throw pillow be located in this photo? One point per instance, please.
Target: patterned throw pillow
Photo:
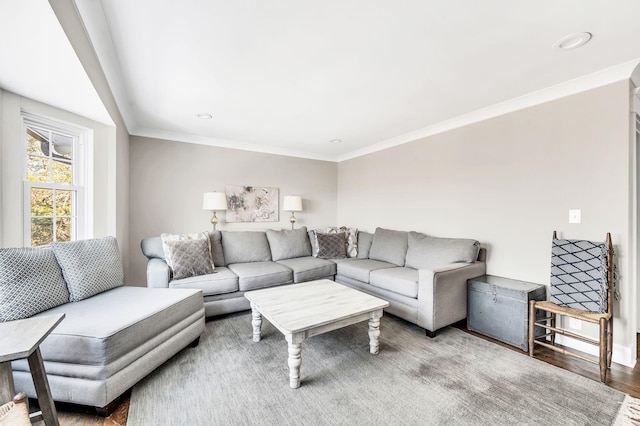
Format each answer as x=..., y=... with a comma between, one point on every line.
x=182, y=237
x=30, y=282
x=350, y=236
x=331, y=246
x=89, y=266
x=189, y=258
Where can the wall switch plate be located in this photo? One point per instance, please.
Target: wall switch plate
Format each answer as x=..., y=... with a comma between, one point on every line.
x=575, y=324
x=575, y=216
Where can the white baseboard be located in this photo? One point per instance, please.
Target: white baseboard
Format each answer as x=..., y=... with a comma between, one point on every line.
x=621, y=354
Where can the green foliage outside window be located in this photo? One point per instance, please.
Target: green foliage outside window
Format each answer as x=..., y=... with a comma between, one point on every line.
x=49, y=161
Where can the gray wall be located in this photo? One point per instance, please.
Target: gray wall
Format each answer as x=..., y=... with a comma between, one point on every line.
x=167, y=180
x=509, y=182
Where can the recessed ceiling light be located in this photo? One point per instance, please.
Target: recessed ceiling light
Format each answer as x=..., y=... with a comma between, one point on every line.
x=572, y=41
x=204, y=116
x=335, y=141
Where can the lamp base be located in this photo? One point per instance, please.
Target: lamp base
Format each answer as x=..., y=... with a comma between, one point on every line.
x=292, y=219
x=214, y=220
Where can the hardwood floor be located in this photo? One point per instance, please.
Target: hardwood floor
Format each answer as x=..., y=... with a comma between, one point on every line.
x=621, y=378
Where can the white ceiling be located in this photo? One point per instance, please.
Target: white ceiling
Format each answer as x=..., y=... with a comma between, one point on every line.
x=289, y=76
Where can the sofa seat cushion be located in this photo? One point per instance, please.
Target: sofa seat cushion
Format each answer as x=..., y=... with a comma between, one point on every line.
x=221, y=281
x=254, y=275
x=403, y=281
x=309, y=268
x=104, y=328
x=359, y=269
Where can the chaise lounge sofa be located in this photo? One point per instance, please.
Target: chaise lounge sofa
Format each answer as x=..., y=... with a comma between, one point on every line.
x=112, y=335
x=424, y=278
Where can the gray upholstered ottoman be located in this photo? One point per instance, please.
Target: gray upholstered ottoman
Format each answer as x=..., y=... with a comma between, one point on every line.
x=110, y=341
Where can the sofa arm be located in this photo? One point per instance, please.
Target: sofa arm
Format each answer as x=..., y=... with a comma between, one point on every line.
x=158, y=273
x=442, y=293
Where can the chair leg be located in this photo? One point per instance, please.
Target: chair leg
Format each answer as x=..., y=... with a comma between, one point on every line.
x=609, y=342
x=532, y=325
x=552, y=323
x=603, y=349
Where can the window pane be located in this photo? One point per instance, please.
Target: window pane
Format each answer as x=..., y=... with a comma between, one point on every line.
x=41, y=231
x=63, y=229
x=41, y=202
x=38, y=169
x=62, y=146
x=36, y=144
x=64, y=201
x=62, y=170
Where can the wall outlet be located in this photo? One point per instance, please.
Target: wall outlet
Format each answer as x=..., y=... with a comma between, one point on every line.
x=575, y=324
x=575, y=216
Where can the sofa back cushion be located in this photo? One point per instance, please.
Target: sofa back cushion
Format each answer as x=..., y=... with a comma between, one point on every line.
x=245, y=246
x=289, y=244
x=30, y=282
x=89, y=266
x=389, y=246
x=429, y=252
x=364, y=244
x=217, y=254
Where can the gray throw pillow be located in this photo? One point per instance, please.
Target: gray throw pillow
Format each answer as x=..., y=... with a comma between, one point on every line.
x=30, y=282
x=289, y=244
x=89, y=266
x=181, y=237
x=190, y=258
x=389, y=246
x=429, y=252
x=331, y=246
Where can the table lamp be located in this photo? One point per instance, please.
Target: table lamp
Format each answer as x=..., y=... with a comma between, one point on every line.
x=292, y=203
x=214, y=201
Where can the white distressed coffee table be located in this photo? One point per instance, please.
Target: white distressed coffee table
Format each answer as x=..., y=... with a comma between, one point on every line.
x=308, y=309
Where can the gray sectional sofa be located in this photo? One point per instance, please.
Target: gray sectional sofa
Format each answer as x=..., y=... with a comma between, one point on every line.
x=112, y=335
x=424, y=278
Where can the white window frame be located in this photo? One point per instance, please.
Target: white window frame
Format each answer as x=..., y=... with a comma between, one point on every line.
x=82, y=143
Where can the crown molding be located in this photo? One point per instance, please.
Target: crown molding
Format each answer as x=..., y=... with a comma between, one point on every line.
x=225, y=143
x=591, y=81
x=571, y=87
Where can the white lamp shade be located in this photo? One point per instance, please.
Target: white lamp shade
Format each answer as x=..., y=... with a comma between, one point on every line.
x=292, y=203
x=214, y=201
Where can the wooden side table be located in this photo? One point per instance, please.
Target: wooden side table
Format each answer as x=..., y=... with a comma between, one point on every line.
x=21, y=339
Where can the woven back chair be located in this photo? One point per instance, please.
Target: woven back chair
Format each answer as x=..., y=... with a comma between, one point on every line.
x=582, y=287
x=16, y=412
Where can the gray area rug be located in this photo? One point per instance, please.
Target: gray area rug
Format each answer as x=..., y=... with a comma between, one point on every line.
x=453, y=379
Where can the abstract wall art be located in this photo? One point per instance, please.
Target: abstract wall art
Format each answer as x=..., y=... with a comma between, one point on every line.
x=252, y=204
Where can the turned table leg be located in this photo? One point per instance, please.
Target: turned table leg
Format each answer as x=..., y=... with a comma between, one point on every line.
x=256, y=322
x=295, y=358
x=374, y=331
